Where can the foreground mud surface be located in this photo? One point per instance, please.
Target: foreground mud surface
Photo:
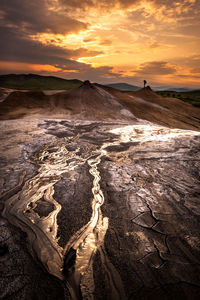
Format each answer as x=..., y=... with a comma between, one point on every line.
x=99, y=210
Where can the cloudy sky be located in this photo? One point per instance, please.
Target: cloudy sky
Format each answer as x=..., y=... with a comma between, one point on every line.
x=104, y=41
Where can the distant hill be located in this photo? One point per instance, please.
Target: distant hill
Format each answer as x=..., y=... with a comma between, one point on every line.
x=33, y=81
x=171, y=89
x=129, y=87
x=123, y=86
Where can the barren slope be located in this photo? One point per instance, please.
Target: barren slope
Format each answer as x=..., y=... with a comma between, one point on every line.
x=87, y=102
x=170, y=112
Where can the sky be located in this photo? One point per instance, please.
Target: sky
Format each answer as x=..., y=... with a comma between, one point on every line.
x=103, y=41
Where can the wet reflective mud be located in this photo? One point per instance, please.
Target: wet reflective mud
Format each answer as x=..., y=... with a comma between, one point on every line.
x=73, y=263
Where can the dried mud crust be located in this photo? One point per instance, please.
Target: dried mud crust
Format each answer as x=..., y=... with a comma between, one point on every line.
x=153, y=235
x=21, y=276
x=151, y=190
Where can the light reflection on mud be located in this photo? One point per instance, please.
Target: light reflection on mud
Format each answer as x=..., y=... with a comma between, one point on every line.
x=54, y=159
x=57, y=158
x=19, y=209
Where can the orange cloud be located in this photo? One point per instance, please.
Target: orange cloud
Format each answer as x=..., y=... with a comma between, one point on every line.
x=125, y=39
x=20, y=67
x=106, y=42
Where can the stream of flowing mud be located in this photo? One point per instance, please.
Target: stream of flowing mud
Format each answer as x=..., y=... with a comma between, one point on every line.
x=74, y=263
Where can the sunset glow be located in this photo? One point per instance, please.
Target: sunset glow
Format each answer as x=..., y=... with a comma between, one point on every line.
x=106, y=41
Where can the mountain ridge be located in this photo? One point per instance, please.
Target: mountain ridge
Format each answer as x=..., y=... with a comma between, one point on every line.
x=123, y=86
x=35, y=81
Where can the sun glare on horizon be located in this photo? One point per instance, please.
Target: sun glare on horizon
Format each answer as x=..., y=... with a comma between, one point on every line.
x=107, y=41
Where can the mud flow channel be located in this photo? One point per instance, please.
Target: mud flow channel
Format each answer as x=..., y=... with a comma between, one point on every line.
x=74, y=263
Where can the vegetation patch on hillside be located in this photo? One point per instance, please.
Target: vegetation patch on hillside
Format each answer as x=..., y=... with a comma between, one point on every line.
x=192, y=97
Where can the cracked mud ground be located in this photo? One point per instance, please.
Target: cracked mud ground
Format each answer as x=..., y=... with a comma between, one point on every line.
x=150, y=182
x=95, y=202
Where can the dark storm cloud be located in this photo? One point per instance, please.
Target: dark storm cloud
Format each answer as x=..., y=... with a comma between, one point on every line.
x=123, y=4
x=35, y=16
x=104, y=4
x=156, y=68
x=97, y=74
x=16, y=47
x=106, y=42
x=89, y=40
x=188, y=29
x=22, y=18
x=192, y=61
x=23, y=24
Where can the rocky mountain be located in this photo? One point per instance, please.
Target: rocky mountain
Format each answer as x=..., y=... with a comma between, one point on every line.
x=99, y=196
